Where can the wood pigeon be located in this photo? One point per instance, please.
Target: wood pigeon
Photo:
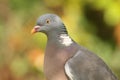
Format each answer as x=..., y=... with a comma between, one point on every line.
x=64, y=58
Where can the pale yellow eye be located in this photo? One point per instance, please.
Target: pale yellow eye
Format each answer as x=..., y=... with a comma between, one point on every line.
x=47, y=21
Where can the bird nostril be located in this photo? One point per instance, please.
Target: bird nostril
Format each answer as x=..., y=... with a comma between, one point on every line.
x=36, y=29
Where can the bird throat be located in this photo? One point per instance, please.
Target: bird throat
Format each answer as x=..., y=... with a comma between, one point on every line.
x=62, y=39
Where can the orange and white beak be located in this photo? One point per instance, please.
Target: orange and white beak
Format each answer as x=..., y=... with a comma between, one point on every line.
x=35, y=29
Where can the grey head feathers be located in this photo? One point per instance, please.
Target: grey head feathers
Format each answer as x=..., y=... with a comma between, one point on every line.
x=51, y=23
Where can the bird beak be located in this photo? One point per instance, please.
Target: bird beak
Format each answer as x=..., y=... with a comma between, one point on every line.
x=35, y=29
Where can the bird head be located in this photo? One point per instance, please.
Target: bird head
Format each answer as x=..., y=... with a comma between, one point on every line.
x=48, y=23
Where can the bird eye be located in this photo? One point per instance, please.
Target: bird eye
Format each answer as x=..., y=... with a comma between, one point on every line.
x=47, y=21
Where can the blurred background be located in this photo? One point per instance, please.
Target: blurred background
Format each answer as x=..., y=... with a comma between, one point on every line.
x=94, y=24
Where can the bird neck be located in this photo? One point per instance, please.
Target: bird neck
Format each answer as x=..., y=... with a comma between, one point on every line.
x=59, y=38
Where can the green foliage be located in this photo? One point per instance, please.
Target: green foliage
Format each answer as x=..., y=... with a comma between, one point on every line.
x=19, y=66
x=112, y=14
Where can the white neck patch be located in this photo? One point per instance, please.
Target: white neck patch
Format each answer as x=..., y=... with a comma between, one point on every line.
x=65, y=40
